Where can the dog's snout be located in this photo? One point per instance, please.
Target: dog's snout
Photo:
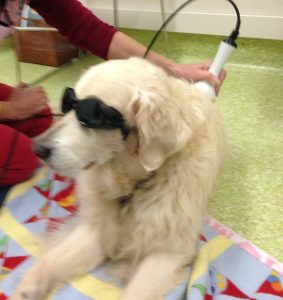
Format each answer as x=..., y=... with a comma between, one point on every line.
x=41, y=151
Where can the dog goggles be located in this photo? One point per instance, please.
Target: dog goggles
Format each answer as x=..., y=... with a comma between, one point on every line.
x=93, y=113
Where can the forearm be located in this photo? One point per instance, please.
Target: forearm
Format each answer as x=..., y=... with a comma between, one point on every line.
x=76, y=22
x=123, y=46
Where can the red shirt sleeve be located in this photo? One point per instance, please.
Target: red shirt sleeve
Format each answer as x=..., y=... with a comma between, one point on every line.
x=5, y=91
x=82, y=28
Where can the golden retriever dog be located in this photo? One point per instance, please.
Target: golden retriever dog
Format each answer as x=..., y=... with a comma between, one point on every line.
x=143, y=192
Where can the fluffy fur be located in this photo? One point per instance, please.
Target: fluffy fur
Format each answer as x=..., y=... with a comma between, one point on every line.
x=142, y=199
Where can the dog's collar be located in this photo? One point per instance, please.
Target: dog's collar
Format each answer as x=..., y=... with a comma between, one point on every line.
x=91, y=112
x=140, y=184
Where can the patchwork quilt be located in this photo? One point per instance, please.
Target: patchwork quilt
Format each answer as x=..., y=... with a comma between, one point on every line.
x=227, y=266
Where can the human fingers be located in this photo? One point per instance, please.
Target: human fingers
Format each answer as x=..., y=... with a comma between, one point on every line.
x=39, y=108
x=210, y=78
x=22, y=85
x=38, y=94
x=37, y=90
x=213, y=80
x=221, y=78
x=205, y=65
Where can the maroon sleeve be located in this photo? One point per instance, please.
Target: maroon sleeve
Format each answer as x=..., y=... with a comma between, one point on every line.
x=77, y=23
x=5, y=91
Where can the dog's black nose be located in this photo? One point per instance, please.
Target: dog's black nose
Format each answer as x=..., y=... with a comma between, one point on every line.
x=41, y=151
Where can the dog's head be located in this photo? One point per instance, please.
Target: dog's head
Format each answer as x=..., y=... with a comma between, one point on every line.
x=149, y=106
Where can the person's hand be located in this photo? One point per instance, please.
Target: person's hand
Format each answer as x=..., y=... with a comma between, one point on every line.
x=197, y=72
x=25, y=102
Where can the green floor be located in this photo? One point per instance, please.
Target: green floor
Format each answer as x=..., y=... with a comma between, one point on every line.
x=249, y=197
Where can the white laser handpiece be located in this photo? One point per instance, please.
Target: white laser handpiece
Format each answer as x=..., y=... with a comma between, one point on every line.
x=224, y=52
x=226, y=48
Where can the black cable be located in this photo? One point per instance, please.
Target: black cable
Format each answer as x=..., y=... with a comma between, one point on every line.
x=232, y=37
x=234, y=34
x=237, y=28
x=164, y=25
x=39, y=117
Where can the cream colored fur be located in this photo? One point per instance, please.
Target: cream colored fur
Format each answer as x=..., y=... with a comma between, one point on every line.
x=175, y=145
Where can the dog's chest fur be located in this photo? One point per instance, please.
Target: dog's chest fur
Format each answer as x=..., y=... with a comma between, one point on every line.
x=140, y=221
x=129, y=220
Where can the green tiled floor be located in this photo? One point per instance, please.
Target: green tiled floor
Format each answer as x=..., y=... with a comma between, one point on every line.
x=249, y=196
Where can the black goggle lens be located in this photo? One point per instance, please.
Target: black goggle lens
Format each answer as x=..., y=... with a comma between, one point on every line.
x=69, y=100
x=93, y=113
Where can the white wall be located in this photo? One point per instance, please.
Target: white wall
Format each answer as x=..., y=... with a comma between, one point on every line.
x=260, y=18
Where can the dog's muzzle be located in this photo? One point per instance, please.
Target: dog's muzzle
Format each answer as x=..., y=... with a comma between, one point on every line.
x=41, y=151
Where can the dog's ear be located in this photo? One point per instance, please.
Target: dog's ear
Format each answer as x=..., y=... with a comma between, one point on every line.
x=162, y=129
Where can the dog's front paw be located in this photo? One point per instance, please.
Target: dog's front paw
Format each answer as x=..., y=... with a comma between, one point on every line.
x=28, y=290
x=25, y=294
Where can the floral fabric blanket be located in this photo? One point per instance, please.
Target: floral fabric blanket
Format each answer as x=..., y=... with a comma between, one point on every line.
x=227, y=267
